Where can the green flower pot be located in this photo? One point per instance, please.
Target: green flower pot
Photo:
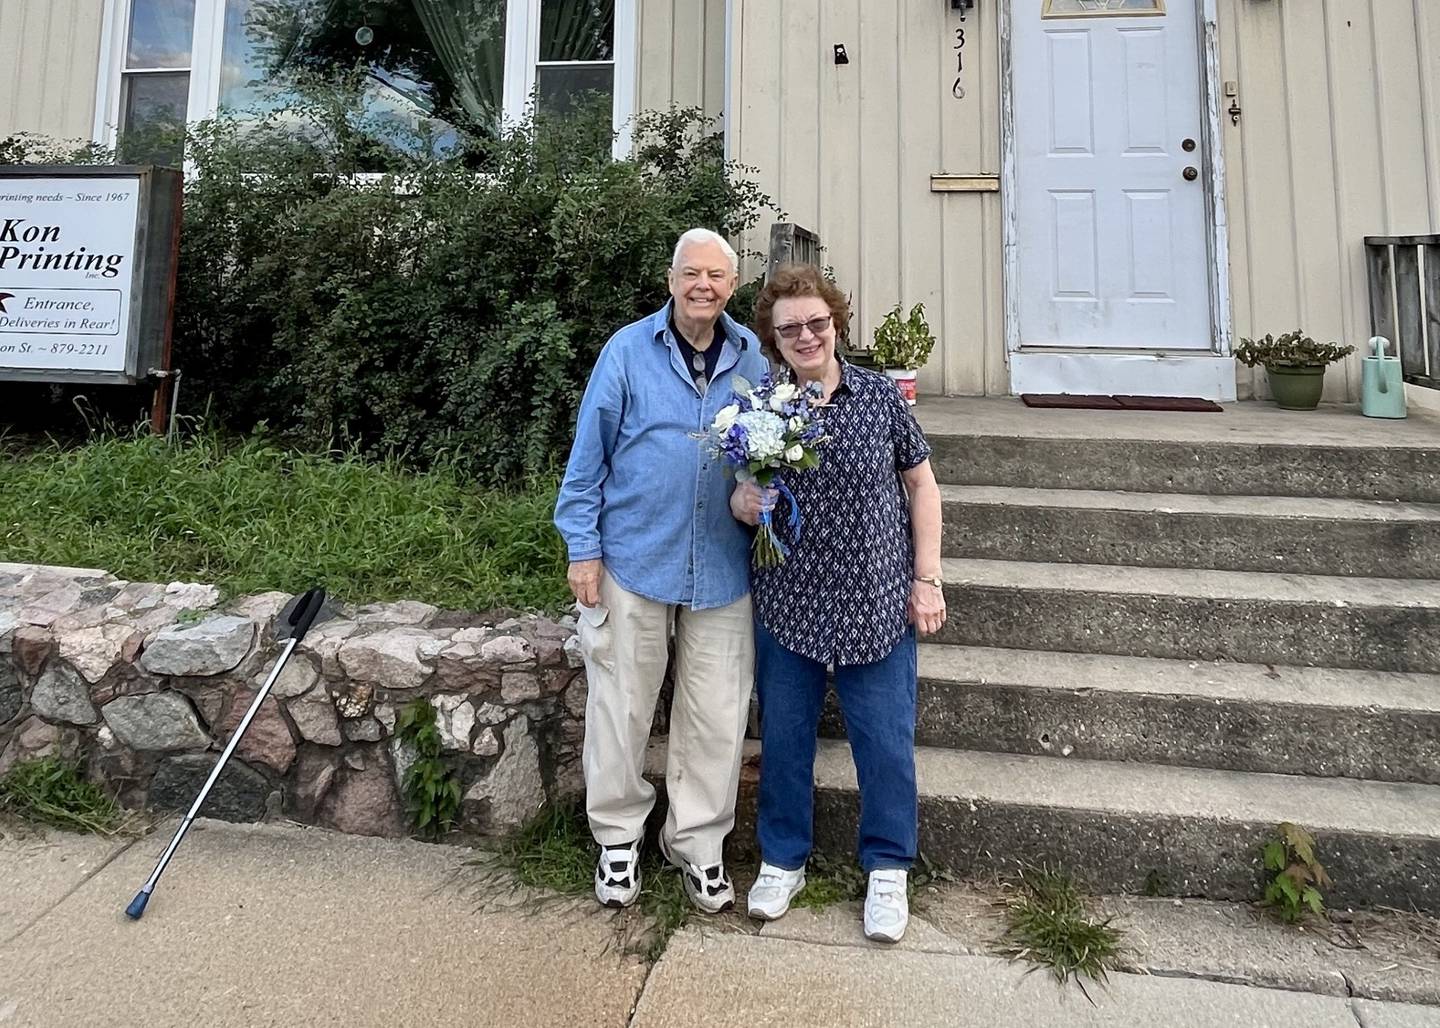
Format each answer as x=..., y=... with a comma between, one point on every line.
x=1297, y=388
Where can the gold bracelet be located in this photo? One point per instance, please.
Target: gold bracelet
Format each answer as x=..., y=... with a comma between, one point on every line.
x=936, y=581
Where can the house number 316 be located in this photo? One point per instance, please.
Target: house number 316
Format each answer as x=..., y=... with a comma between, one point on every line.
x=957, y=90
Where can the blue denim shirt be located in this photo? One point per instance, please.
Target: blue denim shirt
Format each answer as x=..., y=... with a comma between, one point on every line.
x=640, y=491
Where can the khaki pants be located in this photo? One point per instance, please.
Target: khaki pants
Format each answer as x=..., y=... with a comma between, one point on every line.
x=625, y=641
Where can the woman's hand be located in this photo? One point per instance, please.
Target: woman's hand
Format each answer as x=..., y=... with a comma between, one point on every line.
x=927, y=607
x=748, y=501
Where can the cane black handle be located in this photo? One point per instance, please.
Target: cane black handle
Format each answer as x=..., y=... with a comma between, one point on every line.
x=305, y=612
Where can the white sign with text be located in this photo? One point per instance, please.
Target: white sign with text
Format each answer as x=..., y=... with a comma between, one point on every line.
x=67, y=260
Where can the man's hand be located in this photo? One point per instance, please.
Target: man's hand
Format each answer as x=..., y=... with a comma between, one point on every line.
x=584, y=579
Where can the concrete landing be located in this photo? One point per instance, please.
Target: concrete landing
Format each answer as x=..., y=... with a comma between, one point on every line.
x=1249, y=421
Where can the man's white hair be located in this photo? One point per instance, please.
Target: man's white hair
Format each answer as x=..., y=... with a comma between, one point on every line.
x=697, y=236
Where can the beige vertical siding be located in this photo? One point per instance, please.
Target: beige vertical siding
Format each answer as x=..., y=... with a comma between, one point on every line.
x=49, y=56
x=682, y=54
x=1339, y=139
x=848, y=151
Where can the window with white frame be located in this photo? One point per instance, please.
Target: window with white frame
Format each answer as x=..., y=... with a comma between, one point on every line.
x=424, y=63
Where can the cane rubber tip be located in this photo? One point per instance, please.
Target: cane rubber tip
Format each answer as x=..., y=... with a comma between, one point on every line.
x=137, y=906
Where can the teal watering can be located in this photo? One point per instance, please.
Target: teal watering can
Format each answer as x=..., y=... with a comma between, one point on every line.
x=1382, y=393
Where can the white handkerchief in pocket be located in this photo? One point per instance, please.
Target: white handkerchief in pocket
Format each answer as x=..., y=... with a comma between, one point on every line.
x=593, y=616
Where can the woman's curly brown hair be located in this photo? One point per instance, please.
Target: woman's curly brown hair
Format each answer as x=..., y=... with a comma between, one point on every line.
x=794, y=280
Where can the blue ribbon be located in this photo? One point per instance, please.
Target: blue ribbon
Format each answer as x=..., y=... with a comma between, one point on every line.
x=794, y=521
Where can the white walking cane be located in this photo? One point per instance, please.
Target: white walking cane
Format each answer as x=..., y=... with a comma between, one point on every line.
x=291, y=629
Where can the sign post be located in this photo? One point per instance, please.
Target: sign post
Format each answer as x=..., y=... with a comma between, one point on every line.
x=88, y=259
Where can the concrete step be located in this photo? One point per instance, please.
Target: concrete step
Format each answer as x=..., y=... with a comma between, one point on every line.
x=1146, y=827
x=1205, y=466
x=1379, y=725
x=1372, y=623
x=1300, y=536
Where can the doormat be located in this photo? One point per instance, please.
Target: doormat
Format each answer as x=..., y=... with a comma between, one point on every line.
x=1077, y=401
x=1082, y=401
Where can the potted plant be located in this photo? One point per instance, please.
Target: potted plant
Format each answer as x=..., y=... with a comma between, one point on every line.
x=902, y=346
x=1294, y=364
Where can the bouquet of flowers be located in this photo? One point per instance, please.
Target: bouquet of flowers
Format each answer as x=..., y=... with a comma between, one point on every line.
x=763, y=430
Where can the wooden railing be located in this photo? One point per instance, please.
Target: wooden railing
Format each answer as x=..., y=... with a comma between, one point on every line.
x=1403, y=274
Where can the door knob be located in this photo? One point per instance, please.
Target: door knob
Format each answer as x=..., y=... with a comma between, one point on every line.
x=1188, y=145
x=1191, y=174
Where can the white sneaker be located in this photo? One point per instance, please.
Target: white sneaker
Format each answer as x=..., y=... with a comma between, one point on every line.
x=773, y=890
x=708, y=887
x=617, y=875
x=887, y=906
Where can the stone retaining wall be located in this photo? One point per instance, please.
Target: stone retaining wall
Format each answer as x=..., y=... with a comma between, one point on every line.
x=144, y=683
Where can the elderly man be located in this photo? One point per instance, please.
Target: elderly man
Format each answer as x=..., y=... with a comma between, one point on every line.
x=645, y=513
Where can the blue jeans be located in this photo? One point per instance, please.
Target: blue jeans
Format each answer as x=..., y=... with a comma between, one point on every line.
x=878, y=701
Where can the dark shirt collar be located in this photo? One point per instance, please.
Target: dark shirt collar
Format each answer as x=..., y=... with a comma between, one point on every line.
x=722, y=328
x=847, y=376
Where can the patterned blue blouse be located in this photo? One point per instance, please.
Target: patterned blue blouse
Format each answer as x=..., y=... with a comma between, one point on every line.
x=841, y=595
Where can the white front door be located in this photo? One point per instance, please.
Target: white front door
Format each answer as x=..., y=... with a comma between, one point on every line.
x=1111, y=226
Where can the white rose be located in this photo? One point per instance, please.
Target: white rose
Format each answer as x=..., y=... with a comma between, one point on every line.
x=755, y=402
x=726, y=418
x=786, y=391
x=795, y=453
x=796, y=424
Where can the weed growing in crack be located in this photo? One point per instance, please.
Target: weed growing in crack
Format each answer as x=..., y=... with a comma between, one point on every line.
x=1297, y=877
x=1047, y=923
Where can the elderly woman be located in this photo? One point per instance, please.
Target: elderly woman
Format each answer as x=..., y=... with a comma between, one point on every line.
x=862, y=577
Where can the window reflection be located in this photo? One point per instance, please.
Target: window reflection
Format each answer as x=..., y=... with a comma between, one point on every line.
x=577, y=53
x=1080, y=8
x=424, y=63
x=160, y=34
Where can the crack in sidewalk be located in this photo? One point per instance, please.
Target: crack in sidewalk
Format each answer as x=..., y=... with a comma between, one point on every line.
x=110, y=859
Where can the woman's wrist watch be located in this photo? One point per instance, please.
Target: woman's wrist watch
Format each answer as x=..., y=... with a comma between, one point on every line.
x=936, y=580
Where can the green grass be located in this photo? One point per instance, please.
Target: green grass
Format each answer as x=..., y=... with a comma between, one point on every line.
x=53, y=792
x=828, y=882
x=1047, y=923
x=251, y=516
x=555, y=852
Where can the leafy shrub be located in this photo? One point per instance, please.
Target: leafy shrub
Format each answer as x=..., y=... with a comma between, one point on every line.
x=452, y=306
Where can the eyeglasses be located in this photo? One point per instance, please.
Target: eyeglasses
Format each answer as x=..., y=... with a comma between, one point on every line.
x=814, y=326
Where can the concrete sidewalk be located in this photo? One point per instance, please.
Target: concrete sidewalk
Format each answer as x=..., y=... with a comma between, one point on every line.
x=281, y=925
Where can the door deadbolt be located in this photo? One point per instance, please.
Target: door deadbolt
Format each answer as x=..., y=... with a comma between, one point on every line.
x=1191, y=174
